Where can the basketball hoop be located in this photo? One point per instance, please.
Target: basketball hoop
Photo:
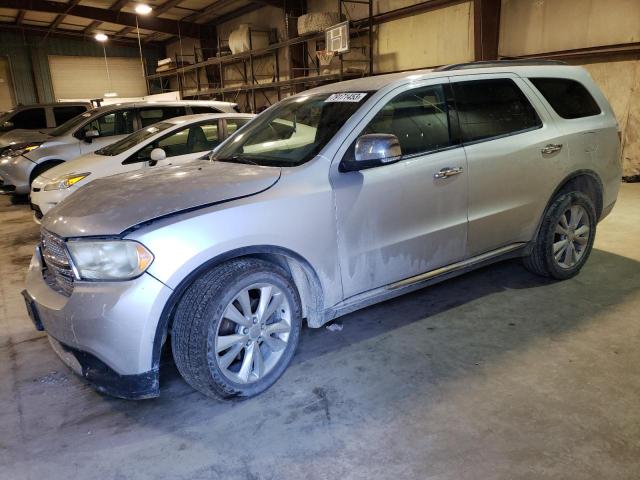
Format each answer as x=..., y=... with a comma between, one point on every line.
x=325, y=57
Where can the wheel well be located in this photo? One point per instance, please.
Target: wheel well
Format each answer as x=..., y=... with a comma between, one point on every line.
x=41, y=167
x=587, y=183
x=304, y=277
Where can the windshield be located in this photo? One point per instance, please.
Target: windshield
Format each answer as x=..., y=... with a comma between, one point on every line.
x=72, y=123
x=293, y=132
x=134, y=139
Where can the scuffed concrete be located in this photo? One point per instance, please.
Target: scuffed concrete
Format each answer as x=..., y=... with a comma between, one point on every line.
x=495, y=375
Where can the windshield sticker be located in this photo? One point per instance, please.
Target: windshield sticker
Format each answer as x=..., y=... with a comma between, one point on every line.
x=346, y=97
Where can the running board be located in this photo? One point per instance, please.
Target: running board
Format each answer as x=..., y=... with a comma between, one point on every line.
x=416, y=282
x=470, y=262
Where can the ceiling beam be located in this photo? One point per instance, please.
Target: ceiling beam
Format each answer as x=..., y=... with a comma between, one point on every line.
x=60, y=33
x=159, y=10
x=121, y=18
x=60, y=18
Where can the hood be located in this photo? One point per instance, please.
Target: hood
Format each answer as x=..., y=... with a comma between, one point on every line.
x=83, y=164
x=111, y=205
x=22, y=136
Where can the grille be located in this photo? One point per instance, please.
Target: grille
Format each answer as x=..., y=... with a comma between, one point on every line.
x=57, y=272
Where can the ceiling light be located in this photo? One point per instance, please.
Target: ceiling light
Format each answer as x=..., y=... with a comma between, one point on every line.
x=101, y=37
x=110, y=94
x=143, y=9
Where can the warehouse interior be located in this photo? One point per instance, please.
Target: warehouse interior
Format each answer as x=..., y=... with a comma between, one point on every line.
x=496, y=374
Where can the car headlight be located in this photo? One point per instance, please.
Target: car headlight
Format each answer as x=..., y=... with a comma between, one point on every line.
x=65, y=181
x=16, y=152
x=109, y=259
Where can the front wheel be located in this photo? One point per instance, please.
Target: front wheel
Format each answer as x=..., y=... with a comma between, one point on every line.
x=236, y=328
x=566, y=237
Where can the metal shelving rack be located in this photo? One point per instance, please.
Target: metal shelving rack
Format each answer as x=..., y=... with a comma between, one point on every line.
x=303, y=67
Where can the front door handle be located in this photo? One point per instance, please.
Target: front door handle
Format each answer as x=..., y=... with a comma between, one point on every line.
x=551, y=148
x=448, y=172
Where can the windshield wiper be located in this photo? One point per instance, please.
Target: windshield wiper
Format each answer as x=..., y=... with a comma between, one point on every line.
x=237, y=159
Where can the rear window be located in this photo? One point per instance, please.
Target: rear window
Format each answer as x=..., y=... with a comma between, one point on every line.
x=569, y=99
x=493, y=108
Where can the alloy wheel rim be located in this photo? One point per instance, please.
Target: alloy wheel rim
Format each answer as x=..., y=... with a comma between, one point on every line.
x=571, y=236
x=253, y=334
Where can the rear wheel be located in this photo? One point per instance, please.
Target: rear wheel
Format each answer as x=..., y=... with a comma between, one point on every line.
x=236, y=328
x=565, y=238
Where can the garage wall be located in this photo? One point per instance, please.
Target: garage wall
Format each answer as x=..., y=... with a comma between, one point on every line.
x=534, y=27
x=7, y=97
x=86, y=77
x=28, y=54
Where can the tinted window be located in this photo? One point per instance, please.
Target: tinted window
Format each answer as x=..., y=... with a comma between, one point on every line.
x=114, y=123
x=491, y=108
x=204, y=110
x=62, y=114
x=31, y=118
x=149, y=116
x=568, y=98
x=419, y=118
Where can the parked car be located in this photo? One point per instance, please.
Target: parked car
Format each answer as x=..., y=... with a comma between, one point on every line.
x=33, y=153
x=42, y=116
x=410, y=179
x=171, y=142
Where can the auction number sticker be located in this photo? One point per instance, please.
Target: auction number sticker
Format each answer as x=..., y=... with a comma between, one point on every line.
x=346, y=97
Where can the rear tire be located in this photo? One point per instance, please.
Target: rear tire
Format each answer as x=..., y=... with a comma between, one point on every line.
x=236, y=328
x=565, y=239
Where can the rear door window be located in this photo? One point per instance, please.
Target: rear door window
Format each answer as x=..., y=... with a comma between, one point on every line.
x=234, y=124
x=568, y=98
x=31, y=118
x=195, y=110
x=149, y=116
x=493, y=108
x=62, y=114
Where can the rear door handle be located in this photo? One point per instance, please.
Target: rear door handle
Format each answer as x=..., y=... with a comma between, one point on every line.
x=551, y=148
x=448, y=172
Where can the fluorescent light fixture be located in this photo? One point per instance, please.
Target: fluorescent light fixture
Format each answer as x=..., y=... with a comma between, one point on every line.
x=101, y=37
x=143, y=9
x=110, y=94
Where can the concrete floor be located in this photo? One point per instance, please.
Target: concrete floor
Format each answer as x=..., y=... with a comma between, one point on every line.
x=495, y=375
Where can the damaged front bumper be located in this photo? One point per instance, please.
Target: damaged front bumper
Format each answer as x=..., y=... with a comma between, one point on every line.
x=104, y=331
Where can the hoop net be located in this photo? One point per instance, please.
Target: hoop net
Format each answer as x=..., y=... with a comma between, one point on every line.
x=325, y=57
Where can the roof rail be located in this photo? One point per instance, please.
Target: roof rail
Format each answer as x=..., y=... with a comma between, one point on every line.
x=498, y=63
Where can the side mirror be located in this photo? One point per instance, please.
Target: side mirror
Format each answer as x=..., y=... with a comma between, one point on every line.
x=89, y=135
x=157, y=154
x=373, y=150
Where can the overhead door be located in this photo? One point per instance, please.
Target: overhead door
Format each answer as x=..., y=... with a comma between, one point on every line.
x=86, y=77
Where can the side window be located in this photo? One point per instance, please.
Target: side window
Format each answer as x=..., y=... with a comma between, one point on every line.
x=149, y=116
x=419, y=118
x=114, y=123
x=195, y=110
x=62, y=114
x=492, y=108
x=234, y=124
x=197, y=138
x=31, y=118
x=569, y=99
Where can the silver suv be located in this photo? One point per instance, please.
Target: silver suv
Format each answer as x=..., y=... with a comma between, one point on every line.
x=331, y=200
x=33, y=153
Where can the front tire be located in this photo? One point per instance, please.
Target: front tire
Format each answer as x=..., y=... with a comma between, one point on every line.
x=565, y=239
x=236, y=328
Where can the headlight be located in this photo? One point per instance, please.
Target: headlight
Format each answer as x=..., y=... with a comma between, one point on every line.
x=109, y=259
x=16, y=152
x=65, y=181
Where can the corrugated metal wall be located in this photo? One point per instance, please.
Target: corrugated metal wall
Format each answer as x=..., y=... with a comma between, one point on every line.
x=28, y=56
